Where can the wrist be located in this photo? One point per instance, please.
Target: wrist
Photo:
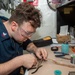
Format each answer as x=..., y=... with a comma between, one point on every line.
x=19, y=61
x=32, y=47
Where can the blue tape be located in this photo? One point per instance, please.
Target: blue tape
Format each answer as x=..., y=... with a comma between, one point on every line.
x=57, y=72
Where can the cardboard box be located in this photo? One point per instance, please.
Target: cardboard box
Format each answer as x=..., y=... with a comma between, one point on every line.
x=63, y=38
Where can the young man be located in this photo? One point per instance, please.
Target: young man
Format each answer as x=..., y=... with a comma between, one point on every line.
x=15, y=34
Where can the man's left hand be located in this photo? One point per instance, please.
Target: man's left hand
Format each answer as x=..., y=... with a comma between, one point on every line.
x=41, y=53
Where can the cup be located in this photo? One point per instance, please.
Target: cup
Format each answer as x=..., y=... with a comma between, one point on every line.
x=65, y=48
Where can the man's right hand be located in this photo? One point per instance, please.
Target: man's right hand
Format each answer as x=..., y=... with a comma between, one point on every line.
x=29, y=60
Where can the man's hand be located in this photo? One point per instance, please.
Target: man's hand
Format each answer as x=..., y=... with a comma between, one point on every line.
x=29, y=60
x=41, y=53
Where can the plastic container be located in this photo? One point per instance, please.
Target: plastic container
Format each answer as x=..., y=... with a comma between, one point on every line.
x=65, y=48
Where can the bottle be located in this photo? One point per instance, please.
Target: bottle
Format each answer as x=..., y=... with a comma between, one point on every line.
x=65, y=48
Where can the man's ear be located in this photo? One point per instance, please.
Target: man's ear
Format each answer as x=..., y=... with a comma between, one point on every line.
x=14, y=25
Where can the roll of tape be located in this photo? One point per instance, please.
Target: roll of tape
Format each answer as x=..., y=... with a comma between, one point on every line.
x=54, y=48
x=57, y=72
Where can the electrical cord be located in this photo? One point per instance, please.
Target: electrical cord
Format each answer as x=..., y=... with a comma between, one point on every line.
x=49, y=4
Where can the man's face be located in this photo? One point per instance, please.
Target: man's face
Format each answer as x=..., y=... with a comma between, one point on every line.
x=23, y=32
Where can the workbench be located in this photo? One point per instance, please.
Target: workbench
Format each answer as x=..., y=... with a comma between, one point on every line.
x=49, y=66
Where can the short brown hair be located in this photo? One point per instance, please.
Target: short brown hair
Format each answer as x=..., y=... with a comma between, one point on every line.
x=26, y=12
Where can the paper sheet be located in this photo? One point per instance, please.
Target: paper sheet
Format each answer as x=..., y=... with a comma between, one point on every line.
x=64, y=30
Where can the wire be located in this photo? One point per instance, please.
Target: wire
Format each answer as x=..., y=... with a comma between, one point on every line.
x=48, y=2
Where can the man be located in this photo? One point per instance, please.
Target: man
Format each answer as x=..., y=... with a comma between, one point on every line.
x=15, y=34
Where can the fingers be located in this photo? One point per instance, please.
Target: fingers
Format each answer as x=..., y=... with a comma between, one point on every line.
x=42, y=53
x=34, y=61
x=29, y=60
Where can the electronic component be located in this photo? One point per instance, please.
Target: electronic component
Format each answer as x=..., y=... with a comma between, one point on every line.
x=54, y=48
